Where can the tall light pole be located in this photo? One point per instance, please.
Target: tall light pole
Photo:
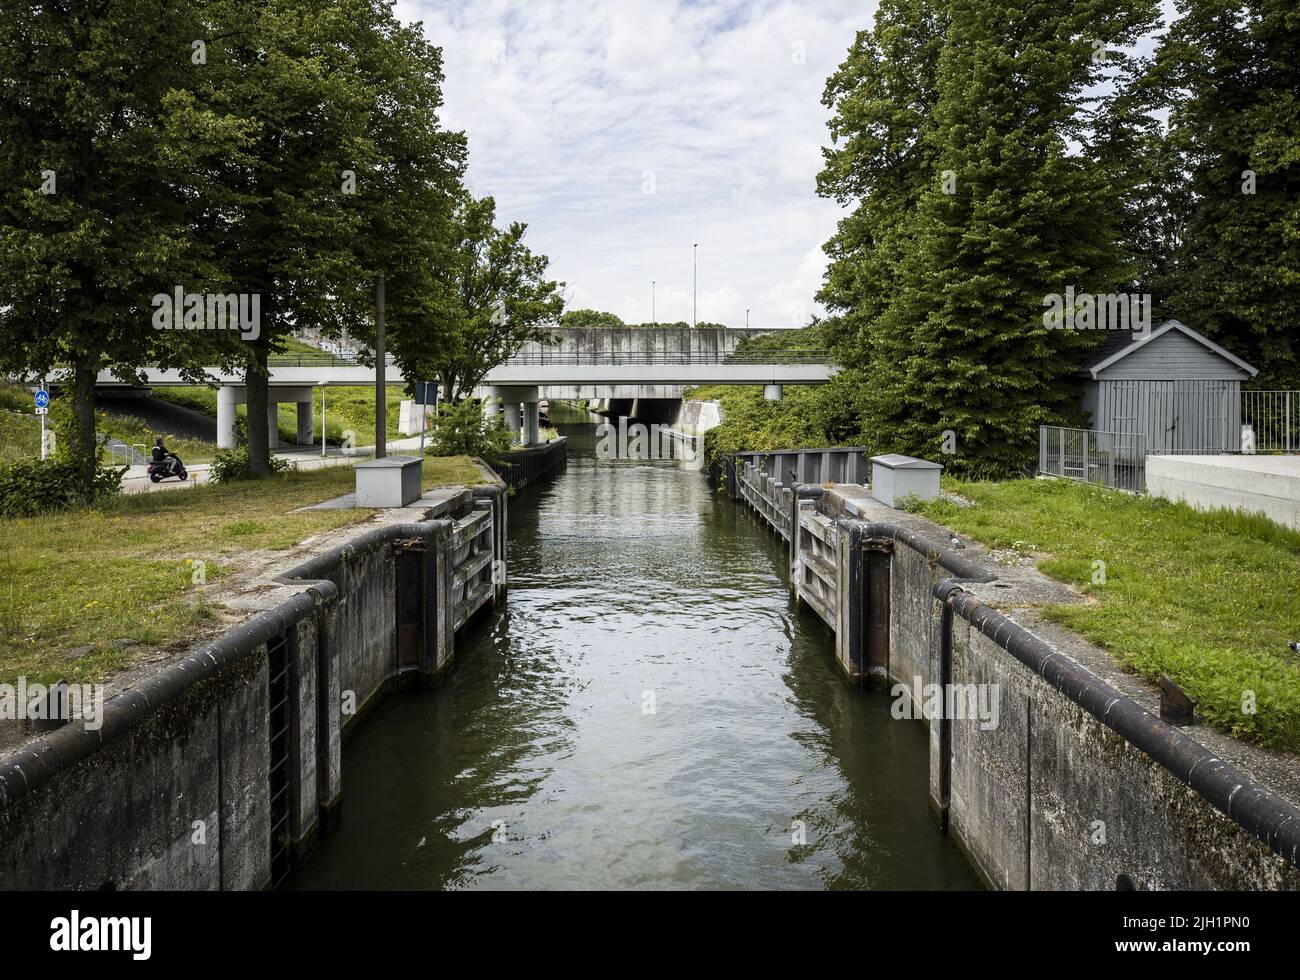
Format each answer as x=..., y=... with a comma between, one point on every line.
x=381, y=389
x=695, y=283
x=653, y=320
x=747, y=319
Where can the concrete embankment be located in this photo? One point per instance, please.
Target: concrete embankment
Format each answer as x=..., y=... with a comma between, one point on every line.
x=221, y=770
x=1050, y=767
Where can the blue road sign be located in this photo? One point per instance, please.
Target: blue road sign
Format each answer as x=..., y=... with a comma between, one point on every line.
x=42, y=400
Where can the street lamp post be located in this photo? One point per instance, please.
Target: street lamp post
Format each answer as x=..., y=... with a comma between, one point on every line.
x=324, y=437
x=653, y=319
x=747, y=319
x=695, y=283
x=381, y=390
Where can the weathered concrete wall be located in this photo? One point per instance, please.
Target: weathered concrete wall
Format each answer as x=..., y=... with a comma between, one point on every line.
x=1054, y=799
x=1077, y=783
x=174, y=791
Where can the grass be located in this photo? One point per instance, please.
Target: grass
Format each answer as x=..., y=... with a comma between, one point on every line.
x=1210, y=599
x=76, y=588
x=136, y=432
x=347, y=408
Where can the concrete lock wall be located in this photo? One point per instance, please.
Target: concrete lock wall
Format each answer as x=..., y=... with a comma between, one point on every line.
x=1079, y=784
x=175, y=790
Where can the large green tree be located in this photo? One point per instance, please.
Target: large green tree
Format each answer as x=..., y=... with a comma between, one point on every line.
x=492, y=297
x=348, y=173
x=1230, y=73
x=882, y=100
x=1015, y=208
x=102, y=157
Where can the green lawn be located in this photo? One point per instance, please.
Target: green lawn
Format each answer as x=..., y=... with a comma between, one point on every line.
x=75, y=584
x=1210, y=599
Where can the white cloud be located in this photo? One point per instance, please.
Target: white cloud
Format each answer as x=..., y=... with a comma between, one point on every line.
x=625, y=132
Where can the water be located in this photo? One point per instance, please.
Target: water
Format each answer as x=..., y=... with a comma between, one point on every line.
x=646, y=711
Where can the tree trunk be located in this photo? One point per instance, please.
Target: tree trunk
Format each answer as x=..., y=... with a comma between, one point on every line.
x=84, y=373
x=257, y=379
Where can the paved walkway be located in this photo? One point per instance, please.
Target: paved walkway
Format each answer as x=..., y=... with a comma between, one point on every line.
x=137, y=480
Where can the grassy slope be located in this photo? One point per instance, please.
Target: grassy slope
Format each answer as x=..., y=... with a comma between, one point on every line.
x=1210, y=599
x=124, y=571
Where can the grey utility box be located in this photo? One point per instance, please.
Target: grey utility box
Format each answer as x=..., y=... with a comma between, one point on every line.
x=894, y=478
x=390, y=482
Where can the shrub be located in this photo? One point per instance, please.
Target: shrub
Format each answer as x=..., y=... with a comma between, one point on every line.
x=231, y=465
x=32, y=486
x=464, y=430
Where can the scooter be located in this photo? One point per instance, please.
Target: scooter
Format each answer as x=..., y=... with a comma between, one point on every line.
x=160, y=469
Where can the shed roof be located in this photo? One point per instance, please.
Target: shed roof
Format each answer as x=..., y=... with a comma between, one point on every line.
x=1123, y=343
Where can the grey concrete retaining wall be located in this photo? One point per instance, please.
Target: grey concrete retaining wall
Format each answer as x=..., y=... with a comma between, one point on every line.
x=176, y=790
x=1078, y=785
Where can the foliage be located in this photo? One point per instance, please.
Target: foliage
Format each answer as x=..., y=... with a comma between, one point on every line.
x=957, y=124
x=587, y=319
x=466, y=430
x=1207, y=598
x=32, y=486
x=492, y=298
x=1230, y=75
x=99, y=162
x=807, y=417
x=233, y=465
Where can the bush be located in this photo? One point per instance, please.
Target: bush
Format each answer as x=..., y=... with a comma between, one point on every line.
x=231, y=465
x=32, y=486
x=464, y=430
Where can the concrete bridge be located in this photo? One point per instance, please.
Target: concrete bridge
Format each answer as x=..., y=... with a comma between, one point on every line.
x=629, y=364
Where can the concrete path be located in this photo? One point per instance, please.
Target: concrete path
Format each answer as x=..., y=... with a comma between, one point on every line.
x=137, y=480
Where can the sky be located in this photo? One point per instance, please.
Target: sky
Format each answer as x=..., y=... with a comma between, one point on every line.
x=623, y=132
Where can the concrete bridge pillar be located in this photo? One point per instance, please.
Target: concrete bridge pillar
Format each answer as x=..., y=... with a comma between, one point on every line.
x=272, y=425
x=772, y=393
x=532, y=425
x=228, y=398
x=306, y=420
x=519, y=401
x=514, y=420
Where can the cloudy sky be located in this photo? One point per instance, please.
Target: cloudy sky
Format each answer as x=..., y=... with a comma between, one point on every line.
x=625, y=131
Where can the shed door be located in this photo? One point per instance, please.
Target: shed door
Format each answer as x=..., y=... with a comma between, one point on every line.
x=1161, y=416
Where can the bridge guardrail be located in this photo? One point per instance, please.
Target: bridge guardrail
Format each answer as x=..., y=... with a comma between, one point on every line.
x=597, y=359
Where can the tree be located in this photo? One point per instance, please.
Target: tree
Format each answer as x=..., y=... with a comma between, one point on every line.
x=101, y=156
x=591, y=319
x=492, y=297
x=882, y=100
x=1014, y=210
x=1230, y=72
x=348, y=173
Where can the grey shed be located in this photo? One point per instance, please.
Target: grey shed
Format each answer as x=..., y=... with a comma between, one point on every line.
x=1179, y=390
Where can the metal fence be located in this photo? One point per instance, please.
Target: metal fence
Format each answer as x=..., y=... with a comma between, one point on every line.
x=1110, y=459
x=1274, y=420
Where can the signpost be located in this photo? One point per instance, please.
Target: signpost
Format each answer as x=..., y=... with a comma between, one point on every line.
x=426, y=393
x=42, y=409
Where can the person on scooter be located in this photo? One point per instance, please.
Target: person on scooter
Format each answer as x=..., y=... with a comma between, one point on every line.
x=160, y=454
